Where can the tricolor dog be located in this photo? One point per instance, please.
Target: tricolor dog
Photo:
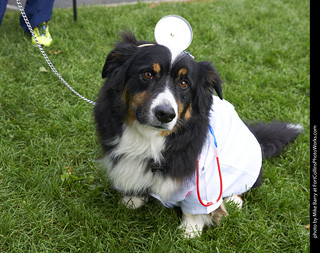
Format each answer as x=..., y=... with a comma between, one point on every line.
x=165, y=134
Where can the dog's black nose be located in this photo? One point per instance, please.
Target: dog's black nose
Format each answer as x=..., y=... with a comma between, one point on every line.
x=164, y=113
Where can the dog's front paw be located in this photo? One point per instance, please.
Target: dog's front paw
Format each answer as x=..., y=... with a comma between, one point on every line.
x=133, y=202
x=190, y=231
x=236, y=200
x=193, y=224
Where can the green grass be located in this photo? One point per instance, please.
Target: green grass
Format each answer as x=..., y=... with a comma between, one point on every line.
x=261, y=50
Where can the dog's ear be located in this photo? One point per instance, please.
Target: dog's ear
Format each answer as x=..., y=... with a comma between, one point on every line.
x=120, y=54
x=212, y=78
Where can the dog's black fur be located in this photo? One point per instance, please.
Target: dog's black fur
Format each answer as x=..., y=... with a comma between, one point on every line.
x=165, y=105
x=274, y=137
x=124, y=69
x=124, y=63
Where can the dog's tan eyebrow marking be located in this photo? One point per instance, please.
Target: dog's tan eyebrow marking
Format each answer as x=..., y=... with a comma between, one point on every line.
x=182, y=72
x=156, y=68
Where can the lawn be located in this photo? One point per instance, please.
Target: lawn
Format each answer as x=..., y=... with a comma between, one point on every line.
x=53, y=193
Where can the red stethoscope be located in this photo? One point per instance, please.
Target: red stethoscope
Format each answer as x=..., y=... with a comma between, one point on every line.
x=204, y=202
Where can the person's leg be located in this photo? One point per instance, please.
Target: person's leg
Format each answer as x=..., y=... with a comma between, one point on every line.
x=37, y=11
x=3, y=6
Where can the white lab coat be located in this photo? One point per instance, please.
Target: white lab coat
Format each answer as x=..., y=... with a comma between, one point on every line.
x=240, y=161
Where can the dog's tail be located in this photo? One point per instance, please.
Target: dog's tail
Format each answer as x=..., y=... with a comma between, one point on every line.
x=273, y=137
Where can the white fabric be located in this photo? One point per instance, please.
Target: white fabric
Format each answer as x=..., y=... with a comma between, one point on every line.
x=240, y=161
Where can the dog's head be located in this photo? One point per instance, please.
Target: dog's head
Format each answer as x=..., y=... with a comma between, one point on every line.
x=147, y=87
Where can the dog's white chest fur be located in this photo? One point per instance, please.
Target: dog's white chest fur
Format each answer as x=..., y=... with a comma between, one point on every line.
x=137, y=145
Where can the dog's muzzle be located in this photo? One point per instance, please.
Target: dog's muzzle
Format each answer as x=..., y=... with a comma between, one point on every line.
x=164, y=113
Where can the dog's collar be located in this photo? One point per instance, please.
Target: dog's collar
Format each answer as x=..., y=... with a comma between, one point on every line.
x=155, y=166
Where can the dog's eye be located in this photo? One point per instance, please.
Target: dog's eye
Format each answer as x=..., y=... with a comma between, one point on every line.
x=148, y=75
x=183, y=84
